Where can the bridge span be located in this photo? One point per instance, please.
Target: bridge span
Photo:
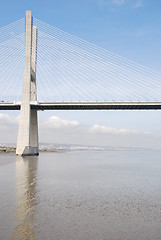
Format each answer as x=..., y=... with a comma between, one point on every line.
x=41, y=106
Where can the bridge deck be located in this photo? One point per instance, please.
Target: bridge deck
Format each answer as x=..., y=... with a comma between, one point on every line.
x=85, y=106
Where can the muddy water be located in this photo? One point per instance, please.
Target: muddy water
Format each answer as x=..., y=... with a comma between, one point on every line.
x=81, y=195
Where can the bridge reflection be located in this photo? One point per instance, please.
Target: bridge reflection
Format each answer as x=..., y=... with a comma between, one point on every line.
x=26, y=197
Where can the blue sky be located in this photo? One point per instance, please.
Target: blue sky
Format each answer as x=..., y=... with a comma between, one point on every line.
x=130, y=28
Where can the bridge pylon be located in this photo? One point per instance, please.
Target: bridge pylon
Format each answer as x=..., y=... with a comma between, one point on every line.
x=27, y=142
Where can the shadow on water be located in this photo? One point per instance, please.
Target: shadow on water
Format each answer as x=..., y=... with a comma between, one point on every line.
x=26, y=197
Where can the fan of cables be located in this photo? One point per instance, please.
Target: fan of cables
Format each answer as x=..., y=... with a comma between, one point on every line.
x=12, y=60
x=70, y=69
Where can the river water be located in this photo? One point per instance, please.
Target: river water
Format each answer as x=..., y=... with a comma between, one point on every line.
x=81, y=195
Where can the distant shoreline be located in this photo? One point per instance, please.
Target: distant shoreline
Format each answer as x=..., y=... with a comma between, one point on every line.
x=7, y=150
x=68, y=149
x=40, y=150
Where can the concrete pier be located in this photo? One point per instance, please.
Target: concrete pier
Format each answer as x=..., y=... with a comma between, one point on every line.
x=27, y=142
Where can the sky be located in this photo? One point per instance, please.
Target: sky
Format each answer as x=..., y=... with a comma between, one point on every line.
x=130, y=28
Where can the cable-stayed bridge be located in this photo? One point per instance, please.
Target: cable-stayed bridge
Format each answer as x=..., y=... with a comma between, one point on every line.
x=63, y=72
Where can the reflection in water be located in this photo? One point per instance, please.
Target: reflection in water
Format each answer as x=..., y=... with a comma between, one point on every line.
x=26, y=176
x=81, y=195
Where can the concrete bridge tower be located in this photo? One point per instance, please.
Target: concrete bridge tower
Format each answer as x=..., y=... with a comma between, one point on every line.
x=27, y=143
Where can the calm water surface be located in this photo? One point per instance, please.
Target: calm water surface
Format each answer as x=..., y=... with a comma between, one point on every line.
x=81, y=195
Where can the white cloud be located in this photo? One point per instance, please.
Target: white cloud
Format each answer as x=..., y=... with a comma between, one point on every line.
x=7, y=120
x=8, y=128
x=107, y=130
x=56, y=122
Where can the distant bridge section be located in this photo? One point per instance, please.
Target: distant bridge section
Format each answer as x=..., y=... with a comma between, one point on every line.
x=10, y=106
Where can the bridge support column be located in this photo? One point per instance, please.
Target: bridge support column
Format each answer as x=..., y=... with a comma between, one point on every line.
x=27, y=142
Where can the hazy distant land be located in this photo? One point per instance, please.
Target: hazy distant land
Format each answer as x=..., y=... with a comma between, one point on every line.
x=46, y=147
